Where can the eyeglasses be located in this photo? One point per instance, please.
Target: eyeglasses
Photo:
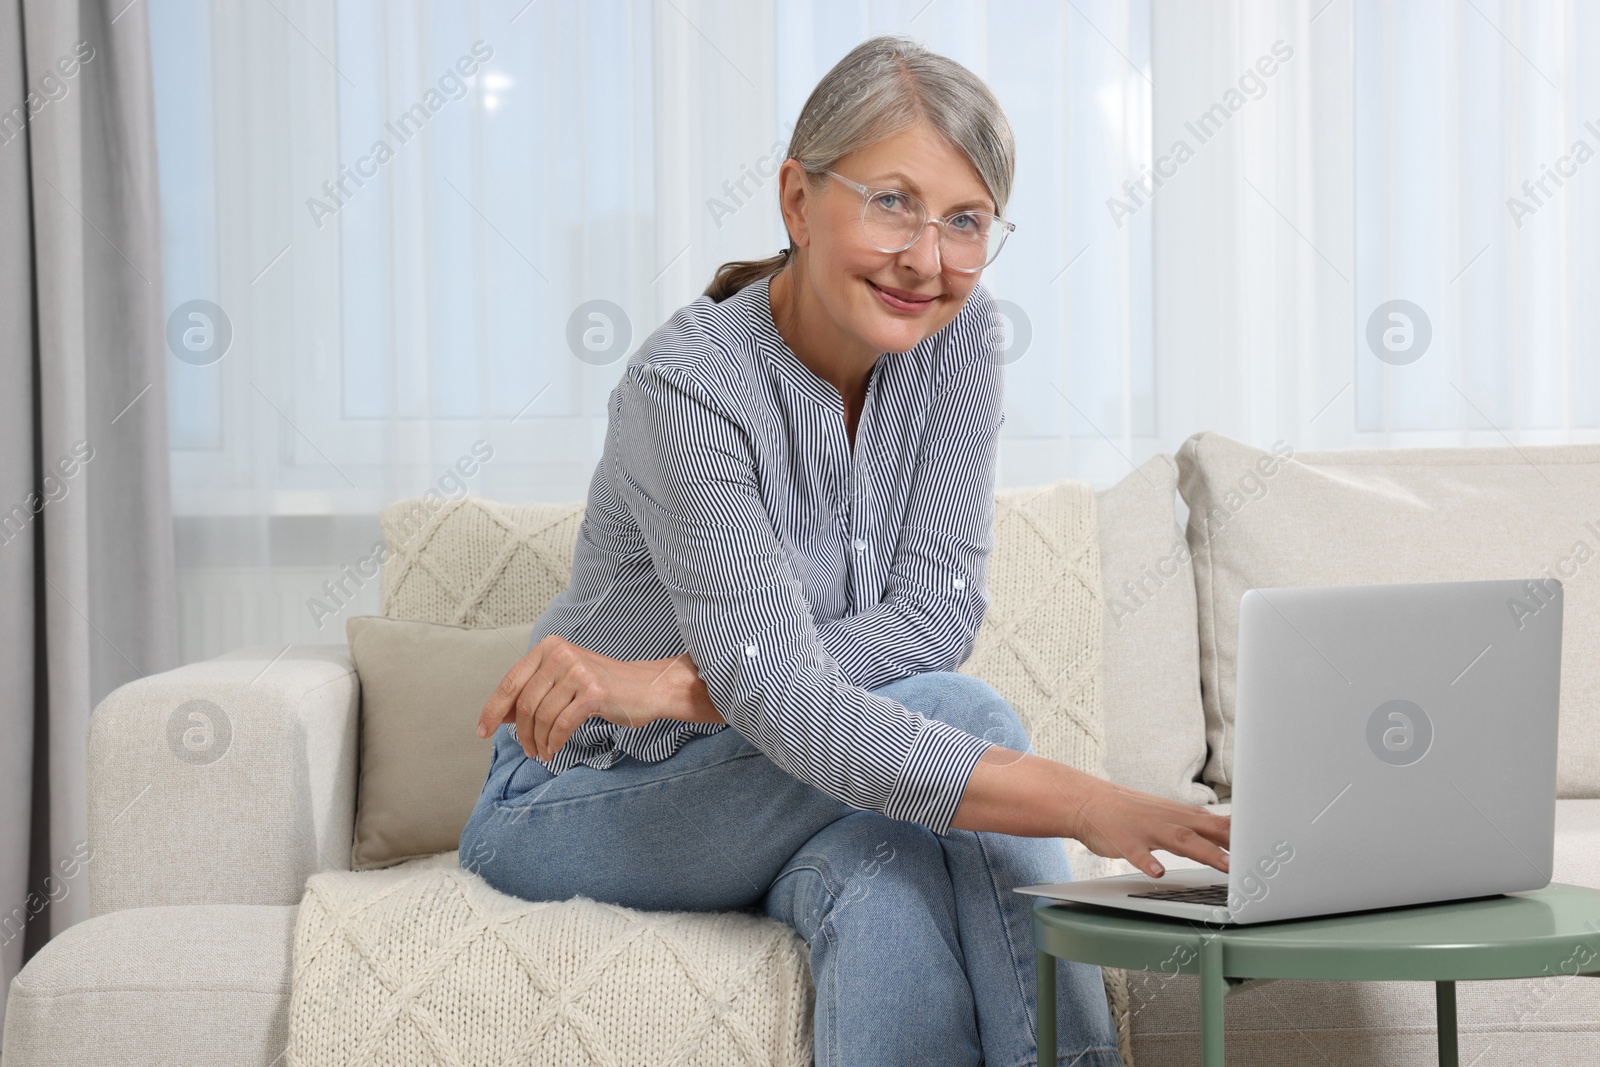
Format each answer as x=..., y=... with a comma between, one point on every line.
x=892, y=221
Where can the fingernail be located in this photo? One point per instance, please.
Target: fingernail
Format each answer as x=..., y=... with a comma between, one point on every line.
x=1155, y=869
x=483, y=731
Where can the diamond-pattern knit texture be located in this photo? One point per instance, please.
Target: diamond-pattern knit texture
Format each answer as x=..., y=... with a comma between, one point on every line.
x=406, y=967
x=433, y=966
x=475, y=562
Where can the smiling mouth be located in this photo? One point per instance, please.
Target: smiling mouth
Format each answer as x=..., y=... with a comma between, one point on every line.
x=904, y=299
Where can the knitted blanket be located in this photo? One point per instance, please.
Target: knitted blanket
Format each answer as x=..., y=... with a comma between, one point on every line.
x=427, y=964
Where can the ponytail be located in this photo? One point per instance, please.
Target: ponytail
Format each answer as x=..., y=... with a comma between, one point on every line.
x=731, y=277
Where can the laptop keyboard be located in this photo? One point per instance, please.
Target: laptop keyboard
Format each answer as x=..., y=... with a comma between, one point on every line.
x=1200, y=894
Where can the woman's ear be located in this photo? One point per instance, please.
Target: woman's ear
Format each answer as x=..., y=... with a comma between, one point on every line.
x=794, y=199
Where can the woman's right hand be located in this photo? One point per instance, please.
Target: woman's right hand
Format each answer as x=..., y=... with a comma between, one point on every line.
x=1121, y=823
x=1027, y=795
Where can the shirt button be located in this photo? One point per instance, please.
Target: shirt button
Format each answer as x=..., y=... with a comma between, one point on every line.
x=861, y=545
x=750, y=650
x=961, y=583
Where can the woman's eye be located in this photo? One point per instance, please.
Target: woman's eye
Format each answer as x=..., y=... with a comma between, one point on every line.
x=891, y=202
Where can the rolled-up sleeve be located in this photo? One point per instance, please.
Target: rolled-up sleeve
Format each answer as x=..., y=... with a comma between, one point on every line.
x=685, y=468
x=937, y=591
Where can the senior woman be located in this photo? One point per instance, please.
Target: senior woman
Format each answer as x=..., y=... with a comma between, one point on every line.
x=788, y=534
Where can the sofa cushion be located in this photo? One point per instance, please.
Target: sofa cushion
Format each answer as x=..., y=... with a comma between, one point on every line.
x=1039, y=644
x=1286, y=518
x=423, y=686
x=431, y=964
x=475, y=562
x=1155, y=726
x=196, y=984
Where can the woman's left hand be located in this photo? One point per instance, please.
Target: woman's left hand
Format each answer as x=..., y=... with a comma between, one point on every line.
x=556, y=685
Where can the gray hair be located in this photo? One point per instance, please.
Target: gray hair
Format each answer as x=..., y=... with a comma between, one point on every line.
x=884, y=86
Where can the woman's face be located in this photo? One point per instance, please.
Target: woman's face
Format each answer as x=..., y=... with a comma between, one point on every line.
x=847, y=273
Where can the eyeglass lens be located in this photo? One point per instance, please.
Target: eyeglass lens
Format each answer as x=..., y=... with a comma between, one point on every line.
x=968, y=241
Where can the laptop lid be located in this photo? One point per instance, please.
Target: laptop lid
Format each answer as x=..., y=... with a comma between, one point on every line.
x=1393, y=744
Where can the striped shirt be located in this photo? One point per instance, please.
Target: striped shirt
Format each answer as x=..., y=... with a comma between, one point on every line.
x=731, y=517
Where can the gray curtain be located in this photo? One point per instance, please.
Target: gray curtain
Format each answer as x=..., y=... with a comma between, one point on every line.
x=87, y=580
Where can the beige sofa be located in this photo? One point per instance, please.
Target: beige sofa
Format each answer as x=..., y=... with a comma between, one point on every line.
x=198, y=870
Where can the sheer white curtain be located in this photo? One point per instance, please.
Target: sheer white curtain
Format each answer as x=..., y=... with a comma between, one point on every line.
x=431, y=234
x=1385, y=160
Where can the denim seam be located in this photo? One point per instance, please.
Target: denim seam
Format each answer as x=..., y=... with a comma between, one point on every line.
x=1094, y=1054
x=824, y=928
x=827, y=880
x=1016, y=964
x=506, y=785
x=834, y=1055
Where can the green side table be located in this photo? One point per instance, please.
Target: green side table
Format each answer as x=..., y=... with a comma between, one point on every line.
x=1535, y=934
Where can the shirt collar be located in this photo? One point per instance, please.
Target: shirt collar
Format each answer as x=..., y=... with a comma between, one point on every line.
x=779, y=355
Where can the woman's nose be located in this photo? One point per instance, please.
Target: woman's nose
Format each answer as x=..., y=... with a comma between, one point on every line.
x=924, y=251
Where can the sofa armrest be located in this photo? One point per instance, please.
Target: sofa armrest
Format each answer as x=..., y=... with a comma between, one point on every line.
x=228, y=781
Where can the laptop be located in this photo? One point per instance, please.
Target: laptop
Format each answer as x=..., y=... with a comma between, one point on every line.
x=1394, y=744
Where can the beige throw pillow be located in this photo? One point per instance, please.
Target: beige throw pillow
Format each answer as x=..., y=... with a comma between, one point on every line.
x=1155, y=726
x=1260, y=517
x=423, y=686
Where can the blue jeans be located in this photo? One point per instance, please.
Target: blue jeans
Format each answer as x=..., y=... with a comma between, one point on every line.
x=919, y=950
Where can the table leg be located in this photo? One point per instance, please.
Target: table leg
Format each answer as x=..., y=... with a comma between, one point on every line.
x=1213, y=987
x=1445, y=1009
x=1044, y=1011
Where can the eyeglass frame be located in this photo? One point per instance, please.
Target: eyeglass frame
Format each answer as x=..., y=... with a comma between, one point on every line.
x=866, y=192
